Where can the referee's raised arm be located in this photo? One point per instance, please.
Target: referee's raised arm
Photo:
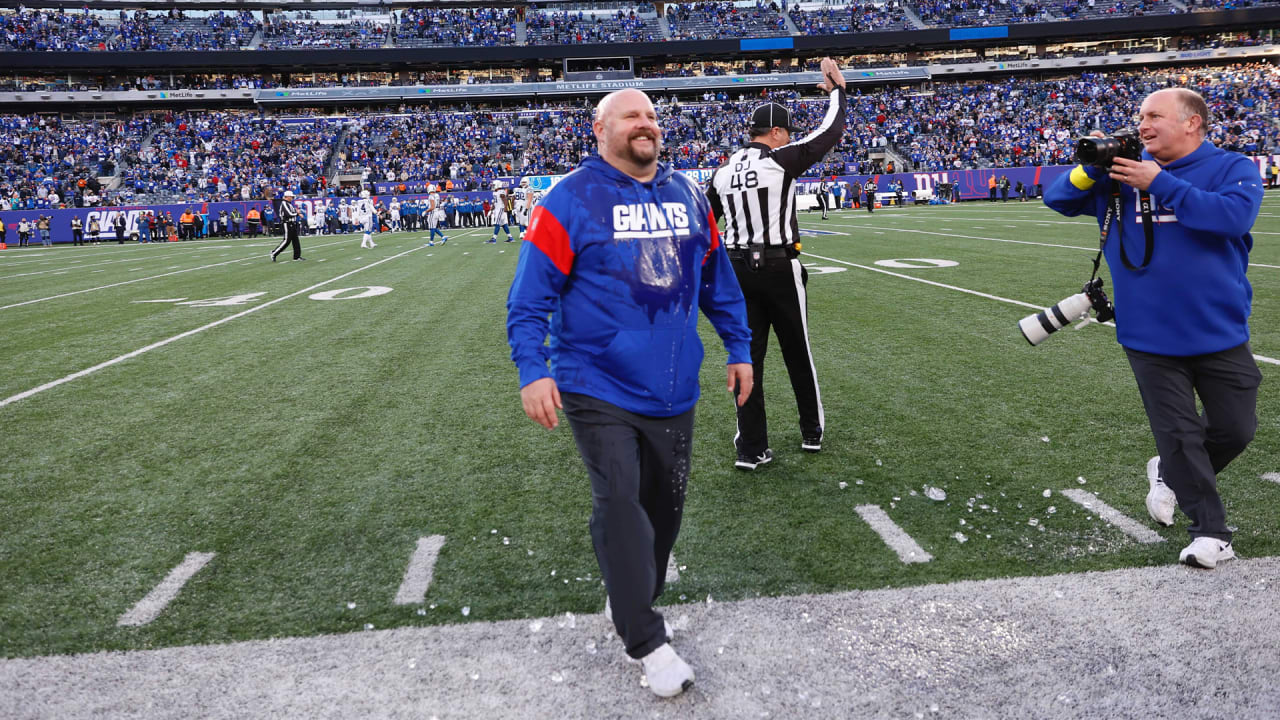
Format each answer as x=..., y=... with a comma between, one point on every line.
x=799, y=155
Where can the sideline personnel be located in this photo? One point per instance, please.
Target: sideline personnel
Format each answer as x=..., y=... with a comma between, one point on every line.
x=1183, y=319
x=755, y=191
x=291, y=221
x=621, y=254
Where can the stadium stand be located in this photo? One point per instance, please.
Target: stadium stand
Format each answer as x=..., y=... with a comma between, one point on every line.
x=811, y=19
x=695, y=21
x=565, y=28
x=437, y=27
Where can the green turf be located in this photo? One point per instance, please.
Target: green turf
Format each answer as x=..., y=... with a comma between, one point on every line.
x=309, y=444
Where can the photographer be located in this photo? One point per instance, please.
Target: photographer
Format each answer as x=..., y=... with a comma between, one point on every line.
x=1182, y=300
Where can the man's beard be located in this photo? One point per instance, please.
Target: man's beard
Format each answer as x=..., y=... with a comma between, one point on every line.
x=642, y=157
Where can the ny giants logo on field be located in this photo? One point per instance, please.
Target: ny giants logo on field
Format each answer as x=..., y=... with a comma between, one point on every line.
x=649, y=220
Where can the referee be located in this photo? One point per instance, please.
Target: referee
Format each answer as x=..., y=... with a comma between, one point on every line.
x=755, y=192
x=289, y=217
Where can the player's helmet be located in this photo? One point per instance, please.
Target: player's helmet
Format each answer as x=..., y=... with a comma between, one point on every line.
x=497, y=185
x=431, y=188
x=364, y=194
x=524, y=182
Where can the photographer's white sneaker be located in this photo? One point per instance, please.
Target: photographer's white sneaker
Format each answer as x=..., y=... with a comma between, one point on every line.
x=1206, y=552
x=1161, y=501
x=668, y=674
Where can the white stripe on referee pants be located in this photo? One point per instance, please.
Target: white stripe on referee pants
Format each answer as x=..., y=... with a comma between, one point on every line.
x=796, y=272
x=283, y=242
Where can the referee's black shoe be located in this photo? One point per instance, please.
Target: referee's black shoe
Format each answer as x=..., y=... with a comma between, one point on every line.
x=748, y=462
x=811, y=444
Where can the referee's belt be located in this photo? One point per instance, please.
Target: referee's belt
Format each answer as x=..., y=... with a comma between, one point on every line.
x=772, y=252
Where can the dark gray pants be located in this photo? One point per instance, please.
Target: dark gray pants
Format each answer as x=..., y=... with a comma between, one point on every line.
x=639, y=470
x=1195, y=447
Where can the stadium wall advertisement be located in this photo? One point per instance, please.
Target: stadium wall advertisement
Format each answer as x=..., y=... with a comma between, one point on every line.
x=972, y=185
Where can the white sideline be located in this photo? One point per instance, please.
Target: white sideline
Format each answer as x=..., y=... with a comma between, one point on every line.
x=1020, y=242
x=1122, y=522
x=1259, y=358
x=150, y=607
x=202, y=328
x=417, y=577
x=149, y=277
x=1272, y=476
x=908, y=550
x=673, y=570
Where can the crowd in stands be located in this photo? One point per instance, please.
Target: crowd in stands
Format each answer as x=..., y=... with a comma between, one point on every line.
x=45, y=161
x=286, y=34
x=428, y=26
x=175, y=31
x=575, y=28
x=470, y=148
x=53, y=30
x=226, y=155
x=937, y=126
x=852, y=18
x=964, y=13
x=722, y=19
x=1095, y=9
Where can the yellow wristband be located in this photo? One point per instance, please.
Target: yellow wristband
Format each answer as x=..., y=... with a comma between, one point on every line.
x=1080, y=178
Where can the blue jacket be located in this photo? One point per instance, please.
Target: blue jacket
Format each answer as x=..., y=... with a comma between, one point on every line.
x=621, y=267
x=1194, y=297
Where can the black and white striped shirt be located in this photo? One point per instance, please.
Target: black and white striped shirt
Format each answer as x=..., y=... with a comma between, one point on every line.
x=755, y=190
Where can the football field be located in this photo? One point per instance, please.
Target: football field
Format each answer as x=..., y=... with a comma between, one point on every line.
x=202, y=446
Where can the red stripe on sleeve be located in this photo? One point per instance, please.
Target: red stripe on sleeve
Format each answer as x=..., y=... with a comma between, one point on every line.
x=715, y=235
x=549, y=236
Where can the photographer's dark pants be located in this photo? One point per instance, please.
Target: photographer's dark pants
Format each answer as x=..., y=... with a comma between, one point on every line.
x=1195, y=447
x=777, y=298
x=639, y=470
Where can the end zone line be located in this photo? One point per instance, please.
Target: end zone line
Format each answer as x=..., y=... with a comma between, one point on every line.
x=202, y=328
x=1259, y=358
x=150, y=607
x=1122, y=522
x=908, y=550
x=417, y=577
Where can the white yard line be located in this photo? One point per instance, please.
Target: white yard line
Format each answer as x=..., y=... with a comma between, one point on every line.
x=1272, y=476
x=1122, y=522
x=150, y=607
x=673, y=570
x=135, y=280
x=1259, y=358
x=908, y=550
x=417, y=577
x=89, y=371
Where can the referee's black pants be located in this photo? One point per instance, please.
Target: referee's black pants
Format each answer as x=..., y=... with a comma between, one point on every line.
x=290, y=237
x=639, y=470
x=822, y=204
x=1195, y=447
x=777, y=298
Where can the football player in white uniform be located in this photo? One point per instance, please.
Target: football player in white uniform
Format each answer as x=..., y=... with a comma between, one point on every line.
x=524, y=204
x=395, y=214
x=364, y=215
x=435, y=215
x=501, y=213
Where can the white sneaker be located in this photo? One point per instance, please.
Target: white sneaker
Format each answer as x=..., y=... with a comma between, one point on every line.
x=1206, y=552
x=608, y=615
x=668, y=674
x=1161, y=501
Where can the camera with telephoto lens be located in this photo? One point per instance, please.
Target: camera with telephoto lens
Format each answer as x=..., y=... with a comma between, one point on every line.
x=1035, y=328
x=1102, y=151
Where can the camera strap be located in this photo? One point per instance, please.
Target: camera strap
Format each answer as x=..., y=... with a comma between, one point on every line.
x=1115, y=210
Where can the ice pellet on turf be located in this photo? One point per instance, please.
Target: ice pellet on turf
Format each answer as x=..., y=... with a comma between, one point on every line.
x=1044, y=438
x=351, y=606
x=466, y=610
x=1047, y=493
x=368, y=626
x=934, y=493
x=422, y=611
x=960, y=537
x=556, y=677
x=843, y=485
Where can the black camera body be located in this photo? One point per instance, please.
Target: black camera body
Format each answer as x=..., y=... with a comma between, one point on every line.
x=1099, y=300
x=1102, y=151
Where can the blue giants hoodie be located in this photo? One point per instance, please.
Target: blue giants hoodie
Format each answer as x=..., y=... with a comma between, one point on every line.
x=1194, y=297
x=621, y=267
